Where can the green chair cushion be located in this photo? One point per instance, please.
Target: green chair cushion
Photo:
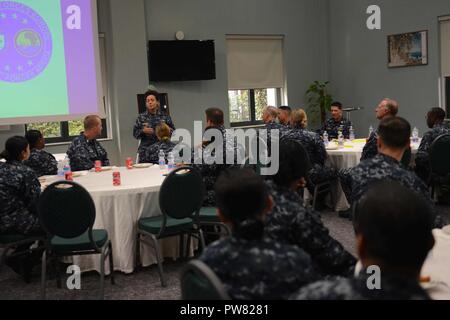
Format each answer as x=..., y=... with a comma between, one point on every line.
x=153, y=224
x=81, y=243
x=208, y=214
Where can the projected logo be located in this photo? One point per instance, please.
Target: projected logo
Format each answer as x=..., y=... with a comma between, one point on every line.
x=25, y=42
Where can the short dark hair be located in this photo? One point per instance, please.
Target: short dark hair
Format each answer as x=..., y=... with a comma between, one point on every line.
x=337, y=104
x=294, y=163
x=396, y=224
x=437, y=113
x=151, y=93
x=14, y=147
x=33, y=137
x=395, y=132
x=240, y=194
x=286, y=108
x=215, y=115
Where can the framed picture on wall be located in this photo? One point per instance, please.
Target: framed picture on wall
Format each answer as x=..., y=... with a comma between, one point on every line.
x=408, y=49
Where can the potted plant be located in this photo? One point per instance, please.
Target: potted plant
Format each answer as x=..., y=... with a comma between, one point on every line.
x=319, y=101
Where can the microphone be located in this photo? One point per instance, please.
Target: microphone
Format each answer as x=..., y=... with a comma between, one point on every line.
x=353, y=109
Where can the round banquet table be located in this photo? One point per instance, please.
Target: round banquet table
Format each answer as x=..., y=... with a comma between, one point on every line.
x=348, y=157
x=118, y=210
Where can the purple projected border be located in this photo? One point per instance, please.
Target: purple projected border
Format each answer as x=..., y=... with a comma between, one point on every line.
x=80, y=60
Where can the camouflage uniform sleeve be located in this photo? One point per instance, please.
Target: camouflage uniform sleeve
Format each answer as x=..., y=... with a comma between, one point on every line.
x=327, y=253
x=321, y=152
x=103, y=155
x=423, y=151
x=169, y=122
x=31, y=190
x=137, y=129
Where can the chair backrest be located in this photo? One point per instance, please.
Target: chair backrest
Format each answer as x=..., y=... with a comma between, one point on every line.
x=406, y=159
x=66, y=210
x=199, y=282
x=440, y=155
x=181, y=194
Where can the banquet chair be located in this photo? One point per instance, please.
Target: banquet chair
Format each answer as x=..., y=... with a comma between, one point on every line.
x=180, y=197
x=199, y=282
x=207, y=217
x=439, y=163
x=67, y=214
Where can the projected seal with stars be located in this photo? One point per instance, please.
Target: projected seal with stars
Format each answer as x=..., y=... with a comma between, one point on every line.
x=25, y=42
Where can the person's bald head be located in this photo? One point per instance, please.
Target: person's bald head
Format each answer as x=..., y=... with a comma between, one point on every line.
x=269, y=114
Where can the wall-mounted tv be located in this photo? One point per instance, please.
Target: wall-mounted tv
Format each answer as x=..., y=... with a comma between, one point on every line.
x=183, y=60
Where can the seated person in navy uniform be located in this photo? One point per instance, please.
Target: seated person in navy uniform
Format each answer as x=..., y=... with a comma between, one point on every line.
x=19, y=195
x=435, y=121
x=393, y=237
x=291, y=223
x=250, y=265
x=284, y=115
x=315, y=147
x=85, y=150
x=151, y=154
x=144, y=128
x=42, y=162
x=336, y=123
x=386, y=108
x=393, y=139
x=270, y=117
x=209, y=168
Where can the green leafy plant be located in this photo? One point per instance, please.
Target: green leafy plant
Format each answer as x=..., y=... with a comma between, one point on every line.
x=319, y=101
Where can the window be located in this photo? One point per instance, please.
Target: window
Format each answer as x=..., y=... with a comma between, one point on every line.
x=59, y=132
x=444, y=28
x=255, y=76
x=246, y=106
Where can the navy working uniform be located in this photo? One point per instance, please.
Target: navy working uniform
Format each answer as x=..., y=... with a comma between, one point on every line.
x=332, y=127
x=210, y=171
x=382, y=168
x=151, y=155
x=290, y=222
x=317, y=153
x=42, y=162
x=393, y=287
x=423, y=154
x=19, y=193
x=83, y=154
x=254, y=267
x=370, y=150
x=152, y=121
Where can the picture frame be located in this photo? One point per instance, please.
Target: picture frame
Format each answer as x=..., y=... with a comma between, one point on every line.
x=408, y=49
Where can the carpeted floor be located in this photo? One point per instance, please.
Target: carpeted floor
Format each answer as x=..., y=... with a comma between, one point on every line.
x=144, y=284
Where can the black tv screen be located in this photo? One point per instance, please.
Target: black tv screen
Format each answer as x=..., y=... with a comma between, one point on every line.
x=183, y=60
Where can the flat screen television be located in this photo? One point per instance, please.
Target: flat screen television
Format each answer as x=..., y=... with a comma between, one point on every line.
x=183, y=60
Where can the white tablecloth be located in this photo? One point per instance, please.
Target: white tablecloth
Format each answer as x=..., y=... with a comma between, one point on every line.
x=437, y=266
x=119, y=208
x=345, y=158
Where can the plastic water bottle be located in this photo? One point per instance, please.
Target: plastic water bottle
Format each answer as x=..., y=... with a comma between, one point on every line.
x=61, y=170
x=415, y=135
x=352, y=134
x=171, y=162
x=162, y=160
x=67, y=172
x=341, y=139
x=326, y=140
x=370, y=130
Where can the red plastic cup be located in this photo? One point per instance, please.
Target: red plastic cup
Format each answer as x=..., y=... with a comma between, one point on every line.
x=129, y=163
x=98, y=166
x=68, y=176
x=117, y=181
